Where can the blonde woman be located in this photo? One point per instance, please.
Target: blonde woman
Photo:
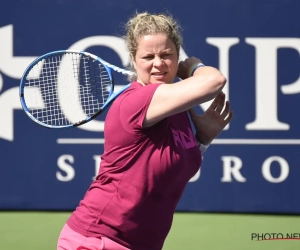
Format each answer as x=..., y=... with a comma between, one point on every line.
x=150, y=151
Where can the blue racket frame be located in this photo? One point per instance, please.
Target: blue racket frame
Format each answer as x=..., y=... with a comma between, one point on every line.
x=108, y=102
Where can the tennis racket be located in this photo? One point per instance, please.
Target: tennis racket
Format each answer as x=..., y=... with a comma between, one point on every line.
x=66, y=88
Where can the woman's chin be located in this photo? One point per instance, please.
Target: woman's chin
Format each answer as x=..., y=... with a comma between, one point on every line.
x=160, y=80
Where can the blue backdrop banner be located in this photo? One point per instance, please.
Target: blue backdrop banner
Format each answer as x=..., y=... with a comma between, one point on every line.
x=253, y=166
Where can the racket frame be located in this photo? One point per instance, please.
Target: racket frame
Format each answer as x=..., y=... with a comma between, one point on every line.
x=108, y=102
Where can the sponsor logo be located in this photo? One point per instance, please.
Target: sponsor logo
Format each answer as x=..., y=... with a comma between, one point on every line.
x=265, y=85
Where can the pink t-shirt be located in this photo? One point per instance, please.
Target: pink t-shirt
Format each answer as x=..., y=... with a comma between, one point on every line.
x=142, y=175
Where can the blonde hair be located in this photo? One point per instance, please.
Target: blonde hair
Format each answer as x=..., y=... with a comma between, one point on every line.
x=143, y=24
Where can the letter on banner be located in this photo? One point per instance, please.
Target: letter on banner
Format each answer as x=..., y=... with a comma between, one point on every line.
x=266, y=169
x=266, y=82
x=230, y=170
x=63, y=165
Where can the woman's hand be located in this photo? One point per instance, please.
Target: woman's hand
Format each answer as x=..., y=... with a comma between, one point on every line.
x=185, y=66
x=209, y=125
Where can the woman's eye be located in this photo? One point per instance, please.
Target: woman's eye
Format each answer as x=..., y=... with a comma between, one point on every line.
x=165, y=55
x=148, y=57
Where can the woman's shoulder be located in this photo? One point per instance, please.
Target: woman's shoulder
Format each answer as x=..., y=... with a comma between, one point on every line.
x=139, y=90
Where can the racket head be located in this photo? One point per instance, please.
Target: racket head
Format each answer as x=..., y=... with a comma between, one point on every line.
x=65, y=88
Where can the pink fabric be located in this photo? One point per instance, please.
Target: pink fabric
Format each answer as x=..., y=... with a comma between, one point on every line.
x=142, y=175
x=71, y=240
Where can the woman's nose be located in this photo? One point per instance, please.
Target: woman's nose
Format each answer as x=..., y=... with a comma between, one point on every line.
x=157, y=61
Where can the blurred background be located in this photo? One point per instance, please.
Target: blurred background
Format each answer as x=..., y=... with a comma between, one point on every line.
x=248, y=185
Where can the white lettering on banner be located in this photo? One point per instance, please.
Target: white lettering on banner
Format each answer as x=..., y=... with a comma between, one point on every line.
x=266, y=82
x=284, y=169
x=223, y=44
x=12, y=66
x=230, y=170
x=232, y=166
x=9, y=101
x=63, y=164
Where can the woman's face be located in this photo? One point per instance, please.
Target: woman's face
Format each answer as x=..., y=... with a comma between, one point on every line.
x=156, y=59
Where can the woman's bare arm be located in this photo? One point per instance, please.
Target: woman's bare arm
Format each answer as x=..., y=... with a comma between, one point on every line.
x=169, y=99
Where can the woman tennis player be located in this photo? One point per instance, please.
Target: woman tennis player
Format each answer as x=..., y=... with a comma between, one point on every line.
x=150, y=151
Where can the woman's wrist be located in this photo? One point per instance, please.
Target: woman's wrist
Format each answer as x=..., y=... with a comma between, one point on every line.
x=194, y=68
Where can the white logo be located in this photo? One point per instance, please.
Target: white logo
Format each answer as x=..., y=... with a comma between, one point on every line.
x=266, y=104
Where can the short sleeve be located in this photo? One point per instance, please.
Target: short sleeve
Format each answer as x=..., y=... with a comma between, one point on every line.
x=134, y=106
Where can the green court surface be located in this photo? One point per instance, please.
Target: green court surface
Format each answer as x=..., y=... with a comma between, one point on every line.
x=190, y=231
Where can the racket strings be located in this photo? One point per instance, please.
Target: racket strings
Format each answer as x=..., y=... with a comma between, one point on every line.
x=43, y=81
x=94, y=92
x=66, y=89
